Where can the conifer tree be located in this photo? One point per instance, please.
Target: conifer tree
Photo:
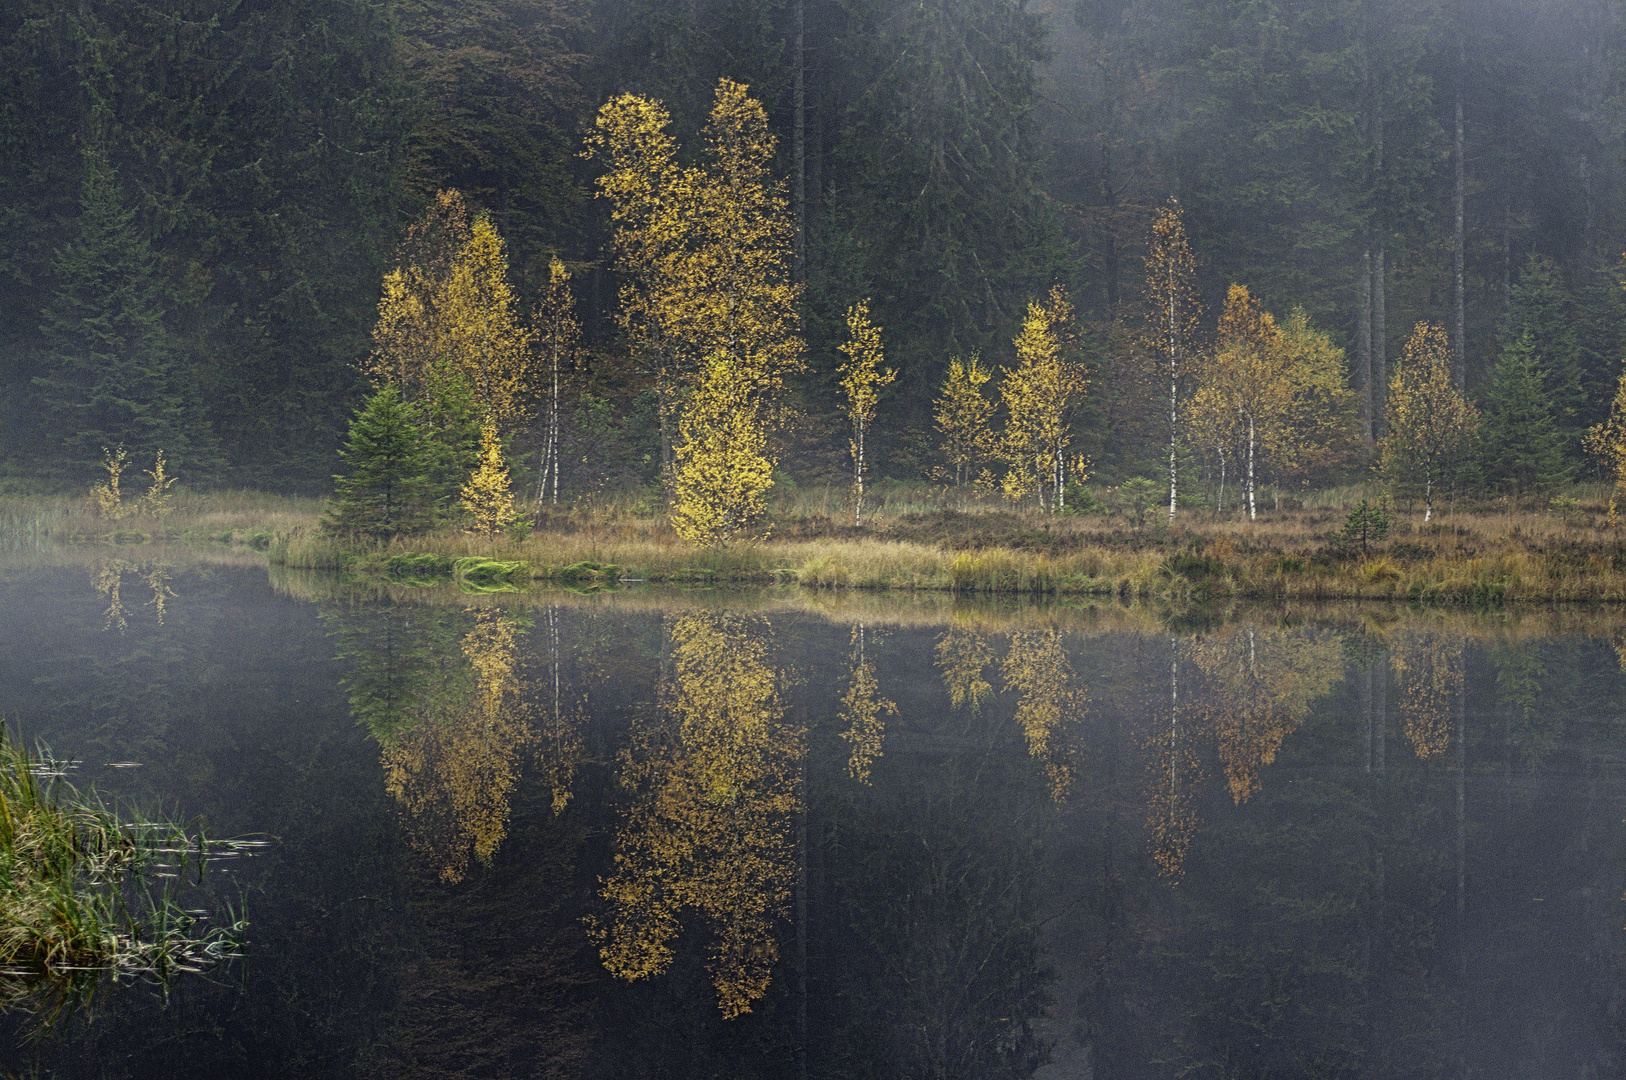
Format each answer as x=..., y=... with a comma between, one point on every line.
x=1521, y=446
x=962, y=416
x=862, y=383
x=488, y=495
x=724, y=465
x=112, y=375
x=1431, y=424
x=1539, y=309
x=386, y=490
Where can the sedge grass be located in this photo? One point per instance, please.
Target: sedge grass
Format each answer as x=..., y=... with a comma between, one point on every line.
x=78, y=907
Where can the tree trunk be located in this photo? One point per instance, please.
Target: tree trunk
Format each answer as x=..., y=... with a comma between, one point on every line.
x=1380, y=348
x=1252, y=509
x=1458, y=349
x=1363, y=347
x=799, y=140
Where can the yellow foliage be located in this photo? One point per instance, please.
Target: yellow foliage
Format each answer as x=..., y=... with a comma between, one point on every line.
x=724, y=469
x=1607, y=443
x=962, y=656
x=962, y=415
x=716, y=778
x=1429, y=666
x=706, y=250
x=1037, y=394
x=1173, y=312
x=453, y=314
x=1244, y=390
x=1262, y=682
x=1319, y=435
x=862, y=382
x=105, y=496
x=1430, y=422
x=452, y=774
x=862, y=708
x=488, y=495
x=1050, y=705
x=1173, y=775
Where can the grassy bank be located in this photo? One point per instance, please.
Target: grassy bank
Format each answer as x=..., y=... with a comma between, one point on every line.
x=1558, y=550
x=1491, y=556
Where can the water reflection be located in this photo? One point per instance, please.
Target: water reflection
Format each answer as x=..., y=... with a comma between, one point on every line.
x=862, y=712
x=714, y=777
x=108, y=574
x=692, y=834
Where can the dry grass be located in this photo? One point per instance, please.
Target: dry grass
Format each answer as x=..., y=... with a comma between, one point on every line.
x=1492, y=556
x=1485, y=554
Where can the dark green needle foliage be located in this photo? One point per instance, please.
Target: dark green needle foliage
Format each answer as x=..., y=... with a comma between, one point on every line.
x=387, y=489
x=1522, y=442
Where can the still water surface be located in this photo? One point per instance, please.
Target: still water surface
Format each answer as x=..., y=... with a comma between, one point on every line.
x=778, y=834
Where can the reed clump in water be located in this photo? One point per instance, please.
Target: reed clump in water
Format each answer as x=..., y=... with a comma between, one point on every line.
x=79, y=903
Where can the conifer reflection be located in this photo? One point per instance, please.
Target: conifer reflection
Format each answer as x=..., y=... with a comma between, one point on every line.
x=1429, y=666
x=962, y=656
x=862, y=709
x=1037, y=667
x=1261, y=684
x=716, y=778
x=453, y=769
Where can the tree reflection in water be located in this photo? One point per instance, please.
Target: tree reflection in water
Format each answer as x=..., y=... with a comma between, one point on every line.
x=715, y=784
x=1429, y=665
x=862, y=712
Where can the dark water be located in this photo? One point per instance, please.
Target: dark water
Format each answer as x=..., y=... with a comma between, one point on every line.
x=784, y=835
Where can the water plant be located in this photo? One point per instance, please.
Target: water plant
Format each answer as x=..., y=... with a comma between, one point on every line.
x=87, y=899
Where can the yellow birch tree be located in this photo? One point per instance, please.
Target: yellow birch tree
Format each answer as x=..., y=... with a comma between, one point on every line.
x=724, y=463
x=1607, y=443
x=1430, y=423
x=488, y=496
x=1173, y=313
x=862, y=382
x=452, y=318
x=962, y=416
x=557, y=333
x=1037, y=394
x=707, y=250
x=1246, y=374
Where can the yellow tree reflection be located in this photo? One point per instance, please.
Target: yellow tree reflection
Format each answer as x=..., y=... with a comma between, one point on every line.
x=1173, y=775
x=561, y=736
x=710, y=827
x=1037, y=667
x=962, y=656
x=1262, y=683
x=1429, y=666
x=453, y=772
x=862, y=709
x=109, y=582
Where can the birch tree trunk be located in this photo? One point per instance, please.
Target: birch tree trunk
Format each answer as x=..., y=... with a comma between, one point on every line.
x=1252, y=510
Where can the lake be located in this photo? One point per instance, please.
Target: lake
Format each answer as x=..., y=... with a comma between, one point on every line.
x=787, y=833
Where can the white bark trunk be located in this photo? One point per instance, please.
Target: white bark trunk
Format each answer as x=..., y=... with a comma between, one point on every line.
x=1252, y=510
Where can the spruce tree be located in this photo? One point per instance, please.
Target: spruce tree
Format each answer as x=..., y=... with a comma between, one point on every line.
x=110, y=374
x=387, y=490
x=1522, y=446
x=1539, y=308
